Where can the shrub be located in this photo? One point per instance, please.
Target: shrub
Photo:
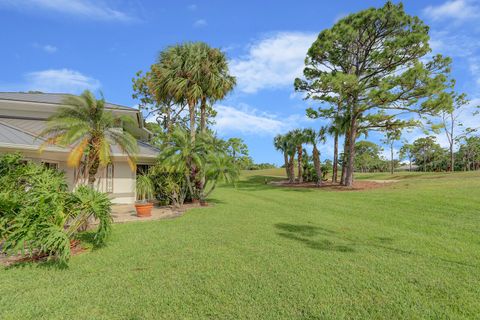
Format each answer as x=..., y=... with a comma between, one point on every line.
x=85, y=203
x=38, y=216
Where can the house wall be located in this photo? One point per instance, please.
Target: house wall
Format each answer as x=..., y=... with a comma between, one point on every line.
x=123, y=177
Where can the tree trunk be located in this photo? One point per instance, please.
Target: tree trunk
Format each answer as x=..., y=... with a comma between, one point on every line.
x=191, y=110
x=335, y=158
x=344, y=159
x=352, y=135
x=291, y=168
x=203, y=115
x=391, y=158
x=317, y=165
x=452, y=158
x=300, y=158
x=93, y=162
x=285, y=159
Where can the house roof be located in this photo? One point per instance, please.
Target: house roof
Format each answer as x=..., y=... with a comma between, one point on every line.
x=50, y=98
x=23, y=134
x=15, y=136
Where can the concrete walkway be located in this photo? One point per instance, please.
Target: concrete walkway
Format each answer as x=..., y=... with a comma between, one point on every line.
x=126, y=212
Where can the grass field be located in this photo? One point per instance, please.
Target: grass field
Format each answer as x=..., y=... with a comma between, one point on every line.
x=410, y=250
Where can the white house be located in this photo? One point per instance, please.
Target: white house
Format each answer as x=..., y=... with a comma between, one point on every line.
x=24, y=115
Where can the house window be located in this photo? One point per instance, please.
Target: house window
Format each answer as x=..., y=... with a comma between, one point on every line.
x=109, y=178
x=50, y=165
x=142, y=169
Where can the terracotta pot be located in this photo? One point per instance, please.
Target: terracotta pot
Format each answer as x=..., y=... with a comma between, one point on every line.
x=74, y=243
x=144, y=209
x=195, y=201
x=203, y=203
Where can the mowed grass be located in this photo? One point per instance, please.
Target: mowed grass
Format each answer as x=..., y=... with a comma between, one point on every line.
x=410, y=250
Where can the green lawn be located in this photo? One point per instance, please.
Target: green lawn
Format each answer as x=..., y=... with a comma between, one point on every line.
x=410, y=250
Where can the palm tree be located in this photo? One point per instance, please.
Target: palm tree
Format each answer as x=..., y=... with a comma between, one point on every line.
x=216, y=82
x=191, y=73
x=314, y=138
x=298, y=139
x=219, y=168
x=181, y=154
x=83, y=124
x=176, y=75
x=281, y=144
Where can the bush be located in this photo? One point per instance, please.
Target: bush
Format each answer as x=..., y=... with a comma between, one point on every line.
x=170, y=187
x=38, y=216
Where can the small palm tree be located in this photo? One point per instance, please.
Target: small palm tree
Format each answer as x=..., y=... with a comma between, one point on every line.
x=83, y=125
x=182, y=154
x=219, y=168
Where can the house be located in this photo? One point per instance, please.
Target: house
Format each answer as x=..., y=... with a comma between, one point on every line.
x=24, y=115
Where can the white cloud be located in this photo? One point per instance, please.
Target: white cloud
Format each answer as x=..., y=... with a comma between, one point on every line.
x=460, y=10
x=454, y=44
x=59, y=80
x=96, y=10
x=200, y=23
x=50, y=49
x=246, y=121
x=47, y=48
x=192, y=7
x=272, y=62
x=250, y=121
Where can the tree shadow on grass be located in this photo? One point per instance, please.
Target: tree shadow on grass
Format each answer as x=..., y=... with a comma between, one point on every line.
x=305, y=234
x=309, y=236
x=257, y=183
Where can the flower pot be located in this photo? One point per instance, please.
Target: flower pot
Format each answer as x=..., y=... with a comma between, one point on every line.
x=144, y=209
x=203, y=203
x=195, y=201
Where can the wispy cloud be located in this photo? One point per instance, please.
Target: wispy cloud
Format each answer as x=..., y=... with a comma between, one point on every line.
x=459, y=10
x=95, y=10
x=192, y=7
x=200, y=23
x=59, y=80
x=272, y=62
x=46, y=47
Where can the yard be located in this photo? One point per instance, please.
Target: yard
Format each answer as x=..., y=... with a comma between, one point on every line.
x=408, y=250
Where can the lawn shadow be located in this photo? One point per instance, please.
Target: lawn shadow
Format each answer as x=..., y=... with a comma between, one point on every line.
x=257, y=183
x=41, y=263
x=305, y=234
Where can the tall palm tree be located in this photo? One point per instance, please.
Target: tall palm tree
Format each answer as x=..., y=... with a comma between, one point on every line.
x=216, y=82
x=191, y=73
x=298, y=139
x=281, y=144
x=177, y=75
x=83, y=125
x=313, y=137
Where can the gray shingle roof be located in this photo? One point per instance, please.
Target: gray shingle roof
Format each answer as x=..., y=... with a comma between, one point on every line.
x=51, y=98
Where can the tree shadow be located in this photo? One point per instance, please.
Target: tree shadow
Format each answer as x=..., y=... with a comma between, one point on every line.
x=257, y=183
x=305, y=233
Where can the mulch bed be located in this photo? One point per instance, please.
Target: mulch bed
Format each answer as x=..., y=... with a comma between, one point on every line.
x=357, y=185
x=7, y=261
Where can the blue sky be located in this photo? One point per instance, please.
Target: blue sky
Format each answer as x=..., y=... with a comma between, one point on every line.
x=72, y=45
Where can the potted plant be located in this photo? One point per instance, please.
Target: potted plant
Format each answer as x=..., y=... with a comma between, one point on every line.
x=145, y=189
